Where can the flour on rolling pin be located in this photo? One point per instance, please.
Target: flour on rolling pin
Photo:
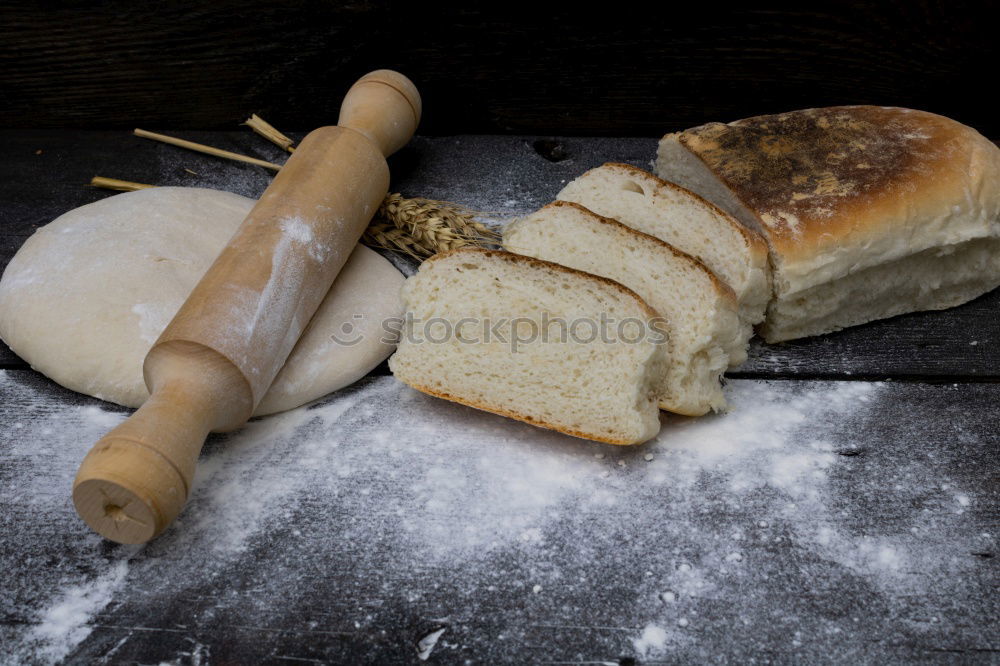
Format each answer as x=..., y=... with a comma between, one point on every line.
x=216, y=359
x=277, y=301
x=265, y=279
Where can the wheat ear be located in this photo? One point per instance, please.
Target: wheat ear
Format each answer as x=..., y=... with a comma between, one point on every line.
x=432, y=226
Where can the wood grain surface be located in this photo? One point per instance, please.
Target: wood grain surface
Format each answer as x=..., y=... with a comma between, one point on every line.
x=354, y=530
x=571, y=69
x=506, y=176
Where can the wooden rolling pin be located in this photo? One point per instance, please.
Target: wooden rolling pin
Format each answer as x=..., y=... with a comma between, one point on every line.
x=218, y=356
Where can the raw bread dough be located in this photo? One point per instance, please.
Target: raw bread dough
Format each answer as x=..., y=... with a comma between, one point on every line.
x=87, y=295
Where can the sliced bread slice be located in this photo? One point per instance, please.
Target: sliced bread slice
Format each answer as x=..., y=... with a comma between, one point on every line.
x=701, y=311
x=519, y=337
x=685, y=220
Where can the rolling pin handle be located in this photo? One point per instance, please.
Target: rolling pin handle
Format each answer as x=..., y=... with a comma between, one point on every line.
x=134, y=482
x=385, y=106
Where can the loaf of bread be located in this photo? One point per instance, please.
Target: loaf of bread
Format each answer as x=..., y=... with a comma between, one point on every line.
x=685, y=220
x=701, y=311
x=869, y=212
x=534, y=341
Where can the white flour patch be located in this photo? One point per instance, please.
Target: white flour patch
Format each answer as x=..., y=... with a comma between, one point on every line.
x=153, y=319
x=426, y=644
x=232, y=499
x=784, y=446
x=50, y=448
x=651, y=642
x=65, y=624
x=393, y=485
x=297, y=230
x=268, y=319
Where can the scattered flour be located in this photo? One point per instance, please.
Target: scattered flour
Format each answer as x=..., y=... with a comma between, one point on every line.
x=296, y=229
x=651, y=641
x=426, y=644
x=379, y=479
x=153, y=318
x=65, y=623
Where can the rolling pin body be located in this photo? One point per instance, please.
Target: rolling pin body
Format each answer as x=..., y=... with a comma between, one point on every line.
x=255, y=300
x=218, y=356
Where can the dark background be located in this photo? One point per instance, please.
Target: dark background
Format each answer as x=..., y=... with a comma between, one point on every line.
x=618, y=69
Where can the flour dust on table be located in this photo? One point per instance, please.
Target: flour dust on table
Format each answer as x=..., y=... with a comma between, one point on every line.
x=410, y=515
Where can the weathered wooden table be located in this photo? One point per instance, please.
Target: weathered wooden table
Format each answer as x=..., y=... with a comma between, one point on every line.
x=847, y=509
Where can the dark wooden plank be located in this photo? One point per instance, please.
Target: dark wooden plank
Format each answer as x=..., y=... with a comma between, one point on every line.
x=817, y=522
x=954, y=344
x=630, y=70
x=508, y=176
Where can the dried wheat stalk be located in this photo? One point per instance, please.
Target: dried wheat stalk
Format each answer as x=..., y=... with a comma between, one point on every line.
x=269, y=132
x=115, y=184
x=416, y=227
x=208, y=150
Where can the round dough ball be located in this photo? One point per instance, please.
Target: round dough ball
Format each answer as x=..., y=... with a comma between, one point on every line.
x=86, y=296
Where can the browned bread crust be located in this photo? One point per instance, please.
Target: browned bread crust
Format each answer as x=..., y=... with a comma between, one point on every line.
x=517, y=415
x=818, y=179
